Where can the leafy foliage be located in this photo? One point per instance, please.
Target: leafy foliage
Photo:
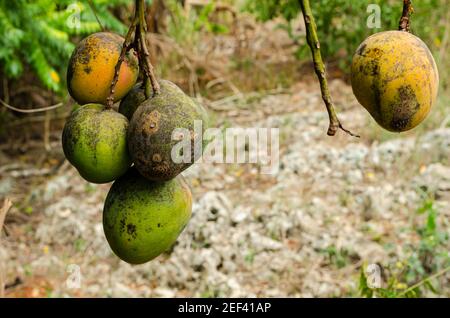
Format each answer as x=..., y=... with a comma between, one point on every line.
x=186, y=28
x=428, y=259
x=37, y=33
x=342, y=24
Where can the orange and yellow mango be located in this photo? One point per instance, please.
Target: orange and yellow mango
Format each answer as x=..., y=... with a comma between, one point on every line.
x=92, y=66
x=394, y=76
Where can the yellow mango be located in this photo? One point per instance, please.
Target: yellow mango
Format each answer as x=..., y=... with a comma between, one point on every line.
x=92, y=65
x=394, y=76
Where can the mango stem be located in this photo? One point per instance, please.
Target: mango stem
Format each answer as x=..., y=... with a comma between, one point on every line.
x=127, y=46
x=319, y=67
x=143, y=52
x=135, y=38
x=404, y=24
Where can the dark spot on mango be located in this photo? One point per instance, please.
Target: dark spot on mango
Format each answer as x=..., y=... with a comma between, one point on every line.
x=395, y=78
x=374, y=53
x=404, y=108
x=371, y=68
x=92, y=65
x=360, y=50
x=140, y=205
x=94, y=142
x=87, y=69
x=131, y=230
x=150, y=136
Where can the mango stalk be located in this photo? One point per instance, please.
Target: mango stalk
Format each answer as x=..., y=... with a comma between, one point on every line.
x=135, y=39
x=406, y=16
x=319, y=67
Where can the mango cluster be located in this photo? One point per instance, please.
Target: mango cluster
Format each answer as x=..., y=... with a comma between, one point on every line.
x=149, y=203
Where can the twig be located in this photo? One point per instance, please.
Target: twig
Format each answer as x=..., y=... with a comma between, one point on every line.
x=47, y=122
x=319, y=67
x=440, y=273
x=29, y=111
x=135, y=38
x=94, y=10
x=125, y=48
x=406, y=16
x=143, y=52
x=4, y=209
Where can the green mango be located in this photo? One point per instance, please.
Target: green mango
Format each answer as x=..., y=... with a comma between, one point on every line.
x=143, y=218
x=150, y=134
x=94, y=142
x=136, y=97
x=132, y=100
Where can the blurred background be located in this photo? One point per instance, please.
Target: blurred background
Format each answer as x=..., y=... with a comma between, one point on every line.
x=336, y=205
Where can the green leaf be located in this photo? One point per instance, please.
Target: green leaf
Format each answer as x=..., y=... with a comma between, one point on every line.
x=430, y=287
x=14, y=68
x=431, y=222
x=364, y=288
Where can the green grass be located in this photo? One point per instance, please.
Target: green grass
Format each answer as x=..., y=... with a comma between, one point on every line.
x=420, y=272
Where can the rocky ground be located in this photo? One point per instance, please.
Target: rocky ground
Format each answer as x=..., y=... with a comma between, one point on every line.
x=334, y=205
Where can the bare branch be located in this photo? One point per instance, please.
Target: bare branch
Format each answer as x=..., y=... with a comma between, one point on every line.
x=144, y=54
x=94, y=10
x=135, y=38
x=319, y=67
x=127, y=45
x=29, y=111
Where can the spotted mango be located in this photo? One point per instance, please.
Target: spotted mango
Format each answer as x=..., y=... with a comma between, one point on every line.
x=92, y=66
x=394, y=76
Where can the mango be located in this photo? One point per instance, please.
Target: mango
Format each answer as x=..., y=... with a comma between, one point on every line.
x=94, y=141
x=142, y=218
x=394, y=76
x=152, y=136
x=132, y=100
x=136, y=97
x=92, y=66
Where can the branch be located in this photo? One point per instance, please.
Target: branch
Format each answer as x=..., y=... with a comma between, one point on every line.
x=406, y=16
x=135, y=38
x=436, y=275
x=144, y=55
x=319, y=67
x=125, y=48
x=29, y=111
x=94, y=10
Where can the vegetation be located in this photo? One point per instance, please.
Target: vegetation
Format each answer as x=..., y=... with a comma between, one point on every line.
x=343, y=24
x=419, y=273
x=38, y=35
x=37, y=39
x=58, y=24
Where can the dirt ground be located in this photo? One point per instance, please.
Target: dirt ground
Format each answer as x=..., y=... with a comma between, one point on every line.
x=334, y=205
